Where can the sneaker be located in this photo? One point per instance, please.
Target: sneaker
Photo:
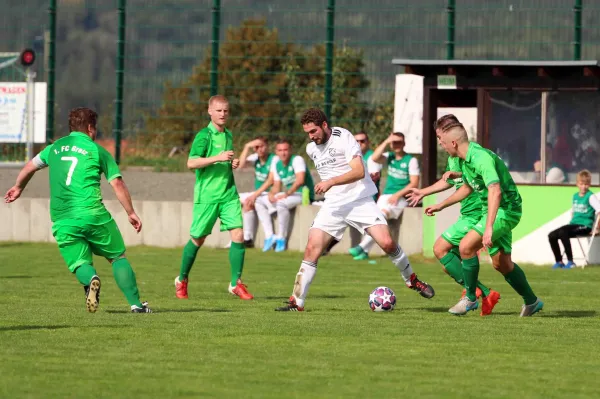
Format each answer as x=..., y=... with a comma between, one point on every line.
x=92, y=294
x=558, y=265
x=363, y=256
x=181, y=288
x=488, y=303
x=280, y=245
x=269, y=243
x=421, y=287
x=570, y=265
x=463, y=306
x=143, y=309
x=248, y=243
x=356, y=251
x=530, y=310
x=290, y=306
x=240, y=290
x=478, y=293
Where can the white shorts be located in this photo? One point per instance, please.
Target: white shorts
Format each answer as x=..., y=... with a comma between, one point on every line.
x=263, y=196
x=360, y=214
x=394, y=211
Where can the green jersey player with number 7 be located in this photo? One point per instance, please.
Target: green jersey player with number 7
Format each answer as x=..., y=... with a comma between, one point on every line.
x=81, y=224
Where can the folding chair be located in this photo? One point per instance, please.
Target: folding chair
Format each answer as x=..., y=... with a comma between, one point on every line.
x=590, y=238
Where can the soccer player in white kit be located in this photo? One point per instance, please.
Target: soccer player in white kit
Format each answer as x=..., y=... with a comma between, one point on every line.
x=349, y=201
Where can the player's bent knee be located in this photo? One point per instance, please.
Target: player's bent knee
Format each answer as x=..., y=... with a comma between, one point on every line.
x=312, y=252
x=198, y=241
x=388, y=245
x=466, y=250
x=116, y=258
x=439, y=249
x=237, y=235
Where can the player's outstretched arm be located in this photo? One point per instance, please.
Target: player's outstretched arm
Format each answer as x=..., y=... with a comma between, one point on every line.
x=122, y=193
x=415, y=195
x=463, y=192
x=357, y=172
x=199, y=163
x=22, y=179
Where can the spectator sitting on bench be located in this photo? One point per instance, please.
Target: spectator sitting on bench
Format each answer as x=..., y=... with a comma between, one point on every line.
x=585, y=208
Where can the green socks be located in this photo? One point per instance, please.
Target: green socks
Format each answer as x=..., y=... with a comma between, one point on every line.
x=518, y=282
x=471, y=272
x=237, y=251
x=125, y=278
x=187, y=259
x=84, y=273
x=454, y=267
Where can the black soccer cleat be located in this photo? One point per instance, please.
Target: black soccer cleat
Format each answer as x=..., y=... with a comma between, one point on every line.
x=143, y=309
x=92, y=294
x=290, y=306
x=424, y=289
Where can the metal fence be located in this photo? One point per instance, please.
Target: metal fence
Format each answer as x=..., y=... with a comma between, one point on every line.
x=148, y=66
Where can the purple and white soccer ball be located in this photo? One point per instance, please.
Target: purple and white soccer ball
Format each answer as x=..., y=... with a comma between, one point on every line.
x=382, y=299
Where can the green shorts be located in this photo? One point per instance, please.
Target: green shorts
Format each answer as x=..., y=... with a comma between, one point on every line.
x=78, y=240
x=205, y=216
x=505, y=222
x=458, y=230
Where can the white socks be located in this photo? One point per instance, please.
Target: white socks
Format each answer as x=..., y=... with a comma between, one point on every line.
x=249, y=225
x=400, y=260
x=304, y=278
x=367, y=243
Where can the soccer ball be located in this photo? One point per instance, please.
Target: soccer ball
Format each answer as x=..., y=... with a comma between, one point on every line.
x=382, y=299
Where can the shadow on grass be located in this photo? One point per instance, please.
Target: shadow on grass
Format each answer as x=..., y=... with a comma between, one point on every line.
x=326, y=296
x=575, y=314
x=184, y=310
x=16, y=276
x=25, y=328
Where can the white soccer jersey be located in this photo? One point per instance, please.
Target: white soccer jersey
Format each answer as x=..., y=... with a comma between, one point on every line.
x=333, y=159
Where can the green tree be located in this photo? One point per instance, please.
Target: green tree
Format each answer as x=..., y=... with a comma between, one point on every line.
x=268, y=84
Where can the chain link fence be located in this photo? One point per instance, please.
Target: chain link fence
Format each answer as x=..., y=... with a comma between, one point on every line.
x=273, y=59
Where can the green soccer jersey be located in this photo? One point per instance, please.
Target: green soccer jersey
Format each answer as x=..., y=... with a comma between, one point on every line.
x=483, y=167
x=583, y=213
x=76, y=164
x=470, y=206
x=287, y=175
x=214, y=183
x=398, y=173
x=261, y=170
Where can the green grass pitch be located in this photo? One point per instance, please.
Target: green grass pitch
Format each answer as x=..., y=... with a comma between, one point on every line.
x=216, y=346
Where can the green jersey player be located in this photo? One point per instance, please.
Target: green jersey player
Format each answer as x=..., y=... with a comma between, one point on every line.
x=485, y=173
x=215, y=196
x=446, y=246
x=81, y=224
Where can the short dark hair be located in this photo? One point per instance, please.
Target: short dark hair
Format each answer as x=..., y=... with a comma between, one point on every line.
x=262, y=138
x=314, y=115
x=365, y=133
x=445, y=121
x=399, y=134
x=80, y=118
x=284, y=141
